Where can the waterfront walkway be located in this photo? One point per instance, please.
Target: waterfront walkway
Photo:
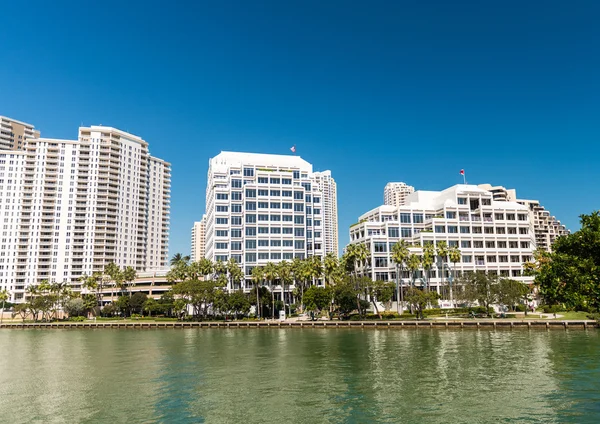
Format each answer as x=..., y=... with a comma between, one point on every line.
x=471, y=323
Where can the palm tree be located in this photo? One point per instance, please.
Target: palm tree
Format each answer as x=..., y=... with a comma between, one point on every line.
x=235, y=272
x=129, y=276
x=205, y=266
x=442, y=255
x=413, y=263
x=4, y=296
x=316, y=268
x=427, y=261
x=330, y=265
x=179, y=258
x=271, y=275
x=399, y=256
x=220, y=270
x=257, y=278
x=284, y=269
x=455, y=256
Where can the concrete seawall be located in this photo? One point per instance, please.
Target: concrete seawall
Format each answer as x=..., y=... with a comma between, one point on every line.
x=490, y=324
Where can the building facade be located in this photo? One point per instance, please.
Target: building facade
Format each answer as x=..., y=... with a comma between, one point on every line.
x=13, y=133
x=198, y=240
x=546, y=227
x=395, y=194
x=493, y=236
x=73, y=206
x=267, y=208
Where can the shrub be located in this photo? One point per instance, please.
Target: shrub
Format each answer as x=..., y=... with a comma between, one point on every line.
x=433, y=311
x=521, y=308
x=408, y=315
x=77, y=319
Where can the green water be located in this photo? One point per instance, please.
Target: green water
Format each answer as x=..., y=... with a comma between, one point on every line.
x=299, y=376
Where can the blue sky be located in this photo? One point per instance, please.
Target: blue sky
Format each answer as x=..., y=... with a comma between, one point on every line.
x=375, y=91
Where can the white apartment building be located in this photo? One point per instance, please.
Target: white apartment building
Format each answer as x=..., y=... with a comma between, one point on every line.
x=73, y=206
x=13, y=133
x=493, y=236
x=198, y=240
x=546, y=227
x=267, y=208
x=395, y=194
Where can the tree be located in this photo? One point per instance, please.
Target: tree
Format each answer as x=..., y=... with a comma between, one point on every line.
x=442, y=258
x=122, y=305
x=345, y=298
x=419, y=299
x=257, y=275
x=570, y=274
x=380, y=291
x=179, y=258
x=399, y=256
x=511, y=292
x=316, y=298
x=413, y=264
x=479, y=287
x=284, y=270
x=4, y=296
x=75, y=307
x=330, y=266
x=21, y=309
x=427, y=261
x=236, y=275
x=205, y=266
x=150, y=305
x=455, y=256
x=239, y=303
x=136, y=302
x=129, y=275
x=115, y=274
x=270, y=271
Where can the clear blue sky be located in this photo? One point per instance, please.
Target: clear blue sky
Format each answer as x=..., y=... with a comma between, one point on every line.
x=375, y=91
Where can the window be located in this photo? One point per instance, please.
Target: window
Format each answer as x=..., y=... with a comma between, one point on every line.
x=500, y=230
x=405, y=218
x=221, y=233
x=262, y=217
x=275, y=192
x=286, y=193
x=236, y=233
x=263, y=192
x=452, y=243
x=317, y=222
x=236, y=208
x=514, y=258
x=275, y=205
x=286, y=218
x=502, y=258
x=489, y=230
x=299, y=244
x=465, y=244
x=450, y=215
x=222, y=196
x=263, y=255
x=263, y=243
x=222, y=220
x=381, y=262
x=418, y=218
x=275, y=180
x=250, y=218
x=467, y=259
x=263, y=180
x=250, y=192
x=299, y=232
x=380, y=247
x=501, y=245
x=298, y=207
x=236, y=220
x=510, y=216
x=462, y=200
x=491, y=259
x=276, y=218
x=221, y=246
x=476, y=230
x=513, y=244
x=465, y=230
x=298, y=195
x=524, y=245
x=296, y=175
x=522, y=217
x=236, y=195
x=490, y=244
x=286, y=181
x=286, y=206
x=393, y=232
x=222, y=208
x=276, y=256
x=523, y=230
x=452, y=229
x=287, y=230
x=288, y=256
x=478, y=244
x=307, y=198
x=263, y=230
x=405, y=232
x=317, y=211
x=263, y=205
x=236, y=245
x=236, y=183
x=512, y=230
x=275, y=230
x=486, y=202
x=250, y=206
x=275, y=243
x=250, y=244
x=248, y=172
x=288, y=243
x=250, y=257
x=499, y=216
x=298, y=219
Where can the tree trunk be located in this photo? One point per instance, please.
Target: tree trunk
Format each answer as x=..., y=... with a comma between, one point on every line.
x=272, y=301
x=257, y=303
x=376, y=308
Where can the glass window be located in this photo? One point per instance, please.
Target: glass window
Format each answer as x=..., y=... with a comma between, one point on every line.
x=440, y=229
x=286, y=218
x=405, y=218
x=263, y=243
x=236, y=245
x=275, y=243
x=275, y=217
x=236, y=183
x=299, y=232
x=296, y=175
x=287, y=230
x=263, y=230
x=286, y=181
x=316, y=200
x=299, y=244
x=263, y=192
x=248, y=172
x=222, y=208
x=462, y=200
x=263, y=180
x=453, y=229
x=450, y=215
x=221, y=246
x=465, y=230
x=276, y=256
x=262, y=217
x=465, y=244
x=288, y=243
x=250, y=257
x=236, y=195
x=393, y=232
x=298, y=207
x=222, y=220
x=263, y=255
x=250, y=244
x=250, y=218
x=275, y=192
x=250, y=206
x=286, y=193
x=380, y=247
x=467, y=259
x=275, y=230
x=418, y=218
x=236, y=220
x=275, y=205
x=221, y=233
x=222, y=196
x=298, y=219
x=250, y=192
x=298, y=195
x=381, y=262
x=236, y=233
x=236, y=208
x=263, y=205
x=405, y=232
x=275, y=180
x=286, y=206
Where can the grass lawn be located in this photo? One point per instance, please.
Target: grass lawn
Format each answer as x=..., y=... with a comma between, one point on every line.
x=573, y=315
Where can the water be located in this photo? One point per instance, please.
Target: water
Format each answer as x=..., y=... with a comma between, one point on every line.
x=299, y=376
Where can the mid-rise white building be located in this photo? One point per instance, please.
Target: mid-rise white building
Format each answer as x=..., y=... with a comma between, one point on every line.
x=267, y=208
x=395, y=194
x=13, y=133
x=73, y=206
x=198, y=240
x=493, y=236
x=547, y=228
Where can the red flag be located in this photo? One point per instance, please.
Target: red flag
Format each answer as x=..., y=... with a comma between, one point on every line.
x=293, y=149
x=462, y=172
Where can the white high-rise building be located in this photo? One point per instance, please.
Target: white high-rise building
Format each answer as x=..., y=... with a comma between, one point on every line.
x=13, y=133
x=198, y=240
x=394, y=194
x=493, y=236
x=267, y=208
x=71, y=207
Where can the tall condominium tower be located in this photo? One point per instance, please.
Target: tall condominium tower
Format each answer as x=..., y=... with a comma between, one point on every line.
x=13, y=133
x=73, y=206
x=547, y=228
x=198, y=239
x=394, y=194
x=267, y=208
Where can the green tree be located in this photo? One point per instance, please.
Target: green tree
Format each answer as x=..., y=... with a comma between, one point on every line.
x=257, y=275
x=380, y=291
x=399, y=256
x=136, y=302
x=179, y=258
x=345, y=296
x=413, y=264
x=122, y=305
x=442, y=257
x=236, y=275
x=455, y=256
x=21, y=309
x=129, y=275
x=478, y=287
x=419, y=299
x=150, y=306
x=511, y=292
x=4, y=296
x=239, y=303
x=270, y=271
x=316, y=298
x=75, y=307
x=427, y=261
x=284, y=270
x=330, y=266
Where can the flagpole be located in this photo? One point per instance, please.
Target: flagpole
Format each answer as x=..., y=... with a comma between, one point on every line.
x=464, y=178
